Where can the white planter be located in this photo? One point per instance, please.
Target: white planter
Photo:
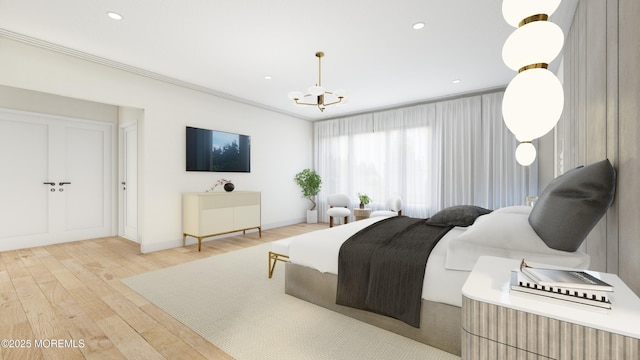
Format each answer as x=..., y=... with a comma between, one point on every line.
x=312, y=216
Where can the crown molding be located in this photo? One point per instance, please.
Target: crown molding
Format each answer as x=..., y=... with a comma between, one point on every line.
x=134, y=70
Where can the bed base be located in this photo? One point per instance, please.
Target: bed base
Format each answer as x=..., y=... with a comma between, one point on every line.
x=440, y=324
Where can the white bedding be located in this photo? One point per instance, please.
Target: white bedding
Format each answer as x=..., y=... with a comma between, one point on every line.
x=319, y=250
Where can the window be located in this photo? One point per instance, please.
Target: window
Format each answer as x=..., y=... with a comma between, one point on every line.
x=433, y=155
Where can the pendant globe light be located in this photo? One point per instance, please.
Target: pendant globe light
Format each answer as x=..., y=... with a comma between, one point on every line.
x=515, y=11
x=532, y=103
x=525, y=153
x=534, y=99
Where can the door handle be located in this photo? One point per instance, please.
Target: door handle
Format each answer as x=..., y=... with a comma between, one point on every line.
x=63, y=183
x=49, y=183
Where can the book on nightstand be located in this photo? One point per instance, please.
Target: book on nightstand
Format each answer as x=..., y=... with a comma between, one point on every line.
x=572, y=279
x=521, y=284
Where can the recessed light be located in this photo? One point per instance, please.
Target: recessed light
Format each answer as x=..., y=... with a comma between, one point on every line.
x=114, y=15
x=267, y=77
x=418, y=26
x=457, y=81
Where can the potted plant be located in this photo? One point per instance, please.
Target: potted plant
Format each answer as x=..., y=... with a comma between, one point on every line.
x=310, y=183
x=364, y=200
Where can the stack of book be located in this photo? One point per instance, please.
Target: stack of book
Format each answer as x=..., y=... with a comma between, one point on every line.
x=571, y=286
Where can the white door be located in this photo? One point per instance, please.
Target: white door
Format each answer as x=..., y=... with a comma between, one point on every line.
x=56, y=182
x=129, y=182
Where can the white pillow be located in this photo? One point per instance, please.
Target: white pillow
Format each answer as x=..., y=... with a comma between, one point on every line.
x=509, y=235
x=517, y=209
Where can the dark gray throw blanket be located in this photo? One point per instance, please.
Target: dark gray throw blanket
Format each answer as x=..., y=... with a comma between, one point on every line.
x=381, y=267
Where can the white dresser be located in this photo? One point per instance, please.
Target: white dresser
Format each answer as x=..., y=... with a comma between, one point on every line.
x=214, y=213
x=499, y=325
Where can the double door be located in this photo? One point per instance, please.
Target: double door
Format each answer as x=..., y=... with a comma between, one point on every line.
x=56, y=183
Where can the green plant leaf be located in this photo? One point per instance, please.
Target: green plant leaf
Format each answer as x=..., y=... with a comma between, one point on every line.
x=310, y=184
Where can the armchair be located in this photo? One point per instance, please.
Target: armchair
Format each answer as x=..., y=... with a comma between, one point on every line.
x=338, y=207
x=394, y=206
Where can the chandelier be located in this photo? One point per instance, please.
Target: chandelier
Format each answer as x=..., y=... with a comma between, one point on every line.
x=533, y=101
x=317, y=95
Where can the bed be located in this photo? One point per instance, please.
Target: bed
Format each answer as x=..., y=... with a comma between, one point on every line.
x=512, y=232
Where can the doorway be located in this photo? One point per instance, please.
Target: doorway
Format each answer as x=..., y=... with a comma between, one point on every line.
x=128, y=186
x=57, y=179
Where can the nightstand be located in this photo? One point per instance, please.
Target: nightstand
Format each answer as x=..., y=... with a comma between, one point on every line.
x=499, y=325
x=361, y=214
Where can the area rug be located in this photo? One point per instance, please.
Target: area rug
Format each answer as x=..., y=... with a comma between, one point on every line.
x=229, y=300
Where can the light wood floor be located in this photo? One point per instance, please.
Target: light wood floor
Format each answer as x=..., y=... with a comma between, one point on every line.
x=71, y=292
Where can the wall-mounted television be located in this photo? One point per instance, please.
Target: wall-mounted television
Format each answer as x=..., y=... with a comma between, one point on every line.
x=219, y=151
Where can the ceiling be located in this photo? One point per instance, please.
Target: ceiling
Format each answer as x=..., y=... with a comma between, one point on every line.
x=228, y=47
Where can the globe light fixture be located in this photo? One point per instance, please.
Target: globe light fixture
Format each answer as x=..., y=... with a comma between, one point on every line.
x=317, y=95
x=534, y=99
x=516, y=11
x=532, y=103
x=538, y=42
x=525, y=153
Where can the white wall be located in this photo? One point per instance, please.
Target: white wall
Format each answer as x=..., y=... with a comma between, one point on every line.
x=281, y=145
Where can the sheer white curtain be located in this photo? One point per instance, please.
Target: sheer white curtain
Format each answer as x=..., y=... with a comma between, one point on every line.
x=433, y=155
x=505, y=181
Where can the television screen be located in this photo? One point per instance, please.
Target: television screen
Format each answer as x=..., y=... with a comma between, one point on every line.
x=219, y=151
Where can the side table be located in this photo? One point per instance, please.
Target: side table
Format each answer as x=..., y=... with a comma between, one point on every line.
x=499, y=325
x=361, y=214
